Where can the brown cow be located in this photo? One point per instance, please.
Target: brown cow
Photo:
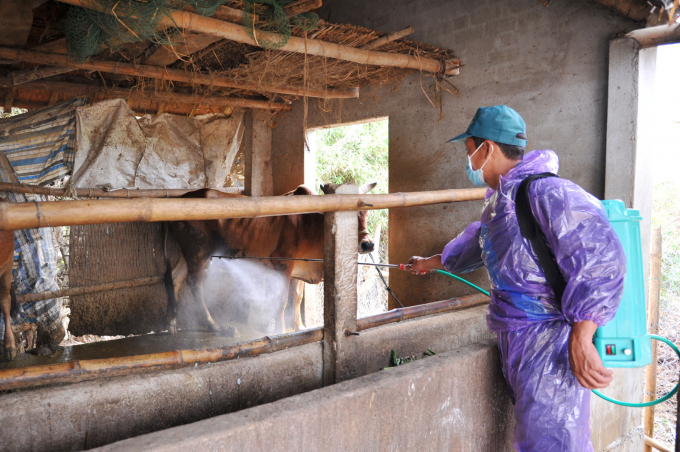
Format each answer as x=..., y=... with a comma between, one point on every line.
x=7, y=261
x=296, y=236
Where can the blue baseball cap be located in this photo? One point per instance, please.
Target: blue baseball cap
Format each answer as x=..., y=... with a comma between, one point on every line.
x=499, y=123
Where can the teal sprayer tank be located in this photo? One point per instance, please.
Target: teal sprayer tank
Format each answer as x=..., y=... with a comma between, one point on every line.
x=624, y=341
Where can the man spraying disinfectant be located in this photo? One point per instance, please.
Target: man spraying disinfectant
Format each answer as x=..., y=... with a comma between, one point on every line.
x=545, y=336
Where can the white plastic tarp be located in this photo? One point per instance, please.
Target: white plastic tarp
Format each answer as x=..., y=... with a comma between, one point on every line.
x=114, y=149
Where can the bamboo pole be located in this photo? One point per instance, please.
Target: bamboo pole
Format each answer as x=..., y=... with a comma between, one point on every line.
x=656, y=36
x=658, y=445
x=653, y=328
x=412, y=312
x=301, y=6
x=168, y=97
x=163, y=73
x=82, y=290
x=388, y=38
x=62, y=213
x=82, y=370
x=99, y=193
x=237, y=16
x=21, y=77
x=227, y=30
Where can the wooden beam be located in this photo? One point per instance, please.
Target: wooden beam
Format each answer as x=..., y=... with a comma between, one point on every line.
x=635, y=10
x=167, y=54
x=301, y=6
x=161, y=73
x=168, y=97
x=54, y=97
x=262, y=179
x=340, y=293
x=63, y=213
x=56, y=46
x=20, y=77
x=388, y=38
x=99, y=193
x=9, y=102
x=236, y=16
x=207, y=25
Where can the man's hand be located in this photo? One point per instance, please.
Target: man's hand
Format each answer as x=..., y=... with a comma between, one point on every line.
x=584, y=359
x=422, y=265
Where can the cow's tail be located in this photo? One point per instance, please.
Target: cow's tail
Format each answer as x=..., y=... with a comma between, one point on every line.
x=168, y=280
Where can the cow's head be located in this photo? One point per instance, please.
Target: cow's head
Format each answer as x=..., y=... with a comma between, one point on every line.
x=366, y=244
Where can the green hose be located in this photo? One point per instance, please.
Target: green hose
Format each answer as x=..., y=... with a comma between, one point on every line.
x=598, y=393
x=463, y=281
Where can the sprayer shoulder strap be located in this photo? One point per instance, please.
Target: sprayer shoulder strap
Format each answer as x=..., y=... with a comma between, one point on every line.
x=531, y=230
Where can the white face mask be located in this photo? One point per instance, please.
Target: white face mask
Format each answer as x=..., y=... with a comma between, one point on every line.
x=476, y=176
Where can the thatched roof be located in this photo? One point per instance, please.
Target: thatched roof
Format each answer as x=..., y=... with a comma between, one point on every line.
x=256, y=74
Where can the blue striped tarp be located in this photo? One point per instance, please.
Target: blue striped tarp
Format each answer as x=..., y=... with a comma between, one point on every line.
x=40, y=144
x=37, y=148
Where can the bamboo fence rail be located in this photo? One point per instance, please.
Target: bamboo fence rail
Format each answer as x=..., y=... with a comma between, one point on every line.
x=82, y=370
x=82, y=290
x=62, y=213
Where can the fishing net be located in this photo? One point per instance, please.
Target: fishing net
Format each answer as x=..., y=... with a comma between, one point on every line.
x=268, y=24
x=88, y=30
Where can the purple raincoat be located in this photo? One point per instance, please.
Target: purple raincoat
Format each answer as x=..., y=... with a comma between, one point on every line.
x=552, y=410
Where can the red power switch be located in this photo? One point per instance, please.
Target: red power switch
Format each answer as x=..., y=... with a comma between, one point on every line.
x=611, y=349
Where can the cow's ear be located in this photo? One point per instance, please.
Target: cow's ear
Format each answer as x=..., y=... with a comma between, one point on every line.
x=367, y=188
x=326, y=189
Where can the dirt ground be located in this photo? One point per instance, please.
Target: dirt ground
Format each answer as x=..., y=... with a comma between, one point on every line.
x=668, y=370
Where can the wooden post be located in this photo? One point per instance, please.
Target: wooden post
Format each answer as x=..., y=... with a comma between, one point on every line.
x=653, y=328
x=9, y=101
x=340, y=293
x=262, y=179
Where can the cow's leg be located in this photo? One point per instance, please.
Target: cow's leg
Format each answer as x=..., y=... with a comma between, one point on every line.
x=174, y=283
x=195, y=279
x=10, y=347
x=295, y=292
x=280, y=317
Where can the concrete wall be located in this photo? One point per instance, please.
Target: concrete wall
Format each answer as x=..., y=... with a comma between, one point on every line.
x=550, y=64
x=454, y=401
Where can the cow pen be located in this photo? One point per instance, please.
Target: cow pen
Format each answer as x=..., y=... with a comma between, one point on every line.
x=347, y=347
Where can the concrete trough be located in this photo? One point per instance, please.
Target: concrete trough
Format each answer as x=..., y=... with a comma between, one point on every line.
x=453, y=401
